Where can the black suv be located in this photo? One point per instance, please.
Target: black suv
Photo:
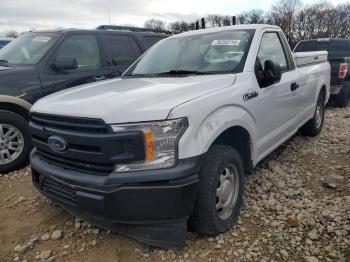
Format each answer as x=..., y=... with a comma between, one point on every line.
x=40, y=63
x=339, y=59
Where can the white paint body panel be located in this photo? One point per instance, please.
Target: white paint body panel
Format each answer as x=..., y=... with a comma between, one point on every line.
x=305, y=58
x=212, y=103
x=130, y=100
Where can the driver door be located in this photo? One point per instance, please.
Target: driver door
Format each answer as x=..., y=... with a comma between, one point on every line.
x=277, y=105
x=85, y=49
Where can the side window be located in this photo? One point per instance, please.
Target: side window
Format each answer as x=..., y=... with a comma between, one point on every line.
x=339, y=48
x=271, y=49
x=122, y=48
x=306, y=46
x=322, y=46
x=84, y=48
x=149, y=41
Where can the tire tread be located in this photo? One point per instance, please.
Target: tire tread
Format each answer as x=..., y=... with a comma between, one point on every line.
x=202, y=217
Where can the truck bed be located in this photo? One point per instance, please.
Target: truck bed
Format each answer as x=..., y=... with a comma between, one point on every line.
x=306, y=58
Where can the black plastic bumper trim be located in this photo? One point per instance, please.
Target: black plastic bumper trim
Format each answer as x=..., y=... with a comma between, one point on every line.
x=146, y=197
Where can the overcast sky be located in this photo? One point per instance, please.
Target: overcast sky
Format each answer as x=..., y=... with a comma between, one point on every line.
x=21, y=15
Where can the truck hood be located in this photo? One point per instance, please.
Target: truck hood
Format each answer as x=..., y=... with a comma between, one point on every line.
x=126, y=100
x=20, y=81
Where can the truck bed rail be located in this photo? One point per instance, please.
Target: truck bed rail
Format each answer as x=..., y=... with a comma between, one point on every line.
x=307, y=58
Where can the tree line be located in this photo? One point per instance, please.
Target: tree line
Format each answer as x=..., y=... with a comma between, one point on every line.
x=298, y=21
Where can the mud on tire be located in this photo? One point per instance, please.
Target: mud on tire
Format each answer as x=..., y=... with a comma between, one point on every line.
x=207, y=218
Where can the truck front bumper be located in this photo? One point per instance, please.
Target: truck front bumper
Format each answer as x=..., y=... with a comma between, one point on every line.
x=335, y=90
x=151, y=206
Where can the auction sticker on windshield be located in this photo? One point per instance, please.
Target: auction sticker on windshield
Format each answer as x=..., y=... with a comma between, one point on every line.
x=41, y=39
x=226, y=42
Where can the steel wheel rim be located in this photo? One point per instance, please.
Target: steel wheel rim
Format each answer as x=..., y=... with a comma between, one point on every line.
x=227, y=191
x=318, y=115
x=11, y=143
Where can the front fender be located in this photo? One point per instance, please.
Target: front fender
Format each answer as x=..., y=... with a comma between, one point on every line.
x=324, y=81
x=202, y=133
x=16, y=101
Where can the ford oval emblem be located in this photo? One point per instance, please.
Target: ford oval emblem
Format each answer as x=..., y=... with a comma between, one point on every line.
x=57, y=144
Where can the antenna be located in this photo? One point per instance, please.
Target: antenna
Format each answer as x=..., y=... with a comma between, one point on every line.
x=109, y=17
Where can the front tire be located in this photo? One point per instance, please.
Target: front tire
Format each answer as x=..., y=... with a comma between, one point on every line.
x=14, y=141
x=314, y=126
x=220, y=192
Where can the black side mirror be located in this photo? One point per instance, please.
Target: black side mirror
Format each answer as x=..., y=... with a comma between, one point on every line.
x=63, y=63
x=272, y=73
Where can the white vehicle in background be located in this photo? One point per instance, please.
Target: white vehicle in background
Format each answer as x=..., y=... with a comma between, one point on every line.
x=172, y=140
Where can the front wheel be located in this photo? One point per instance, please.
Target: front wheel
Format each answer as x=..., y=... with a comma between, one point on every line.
x=220, y=192
x=314, y=126
x=14, y=141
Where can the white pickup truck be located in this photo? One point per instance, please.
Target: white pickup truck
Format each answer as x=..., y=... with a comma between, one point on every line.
x=169, y=143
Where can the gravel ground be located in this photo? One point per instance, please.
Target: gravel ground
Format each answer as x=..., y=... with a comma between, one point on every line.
x=297, y=208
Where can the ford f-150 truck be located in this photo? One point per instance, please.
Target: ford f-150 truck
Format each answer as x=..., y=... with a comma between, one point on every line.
x=339, y=59
x=169, y=143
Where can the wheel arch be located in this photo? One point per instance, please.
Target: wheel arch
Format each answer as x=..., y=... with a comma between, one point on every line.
x=15, y=105
x=323, y=91
x=239, y=138
x=203, y=132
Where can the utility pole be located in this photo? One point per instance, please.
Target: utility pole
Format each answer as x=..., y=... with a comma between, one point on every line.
x=109, y=18
x=197, y=25
x=203, y=23
x=234, y=20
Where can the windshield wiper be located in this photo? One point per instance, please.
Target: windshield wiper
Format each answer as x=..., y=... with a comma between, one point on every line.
x=181, y=72
x=169, y=73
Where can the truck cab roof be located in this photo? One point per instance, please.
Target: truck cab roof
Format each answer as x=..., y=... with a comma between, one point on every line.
x=106, y=28
x=229, y=28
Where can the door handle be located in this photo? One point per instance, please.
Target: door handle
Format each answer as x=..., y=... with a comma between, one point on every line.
x=99, y=78
x=294, y=86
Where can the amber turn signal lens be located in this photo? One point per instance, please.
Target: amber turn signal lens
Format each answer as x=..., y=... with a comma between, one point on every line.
x=149, y=154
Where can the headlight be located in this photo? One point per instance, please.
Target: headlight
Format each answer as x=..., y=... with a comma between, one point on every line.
x=161, y=139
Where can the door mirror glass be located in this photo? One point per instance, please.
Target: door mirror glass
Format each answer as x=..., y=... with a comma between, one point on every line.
x=271, y=60
x=65, y=63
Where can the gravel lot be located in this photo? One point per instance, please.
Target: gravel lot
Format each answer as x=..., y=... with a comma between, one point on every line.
x=297, y=209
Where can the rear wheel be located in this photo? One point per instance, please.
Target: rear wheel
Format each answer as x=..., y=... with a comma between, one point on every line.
x=314, y=126
x=220, y=192
x=14, y=141
x=343, y=98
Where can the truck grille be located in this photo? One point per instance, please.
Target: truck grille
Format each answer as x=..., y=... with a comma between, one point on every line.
x=75, y=164
x=86, y=125
x=59, y=191
x=91, y=147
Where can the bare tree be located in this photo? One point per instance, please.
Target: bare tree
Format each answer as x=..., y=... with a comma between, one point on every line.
x=322, y=20
x=12, y=34
x=175, y=27
x=226, y=20
x=181, y=26
x=215, y=20
x=155, y=24
x=285, y=11
x=298, y=22
x=254, y=16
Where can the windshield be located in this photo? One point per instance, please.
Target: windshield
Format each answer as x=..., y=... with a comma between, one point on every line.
x=212, y=53
x=27, y=49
